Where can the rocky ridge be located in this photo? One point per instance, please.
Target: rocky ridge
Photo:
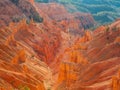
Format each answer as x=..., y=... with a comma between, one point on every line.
x=49, y=56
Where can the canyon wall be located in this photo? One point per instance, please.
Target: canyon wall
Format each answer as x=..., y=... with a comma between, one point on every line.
x=56, y=54
x=94, y=66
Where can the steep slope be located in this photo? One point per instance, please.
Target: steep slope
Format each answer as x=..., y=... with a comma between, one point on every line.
x=93, y=62
x=23, y=48
x=59, y=14
x=70, y=26
x=19, y=65
x=32, y=44
x=52, y=55
x=103, y=11
x=15, y=10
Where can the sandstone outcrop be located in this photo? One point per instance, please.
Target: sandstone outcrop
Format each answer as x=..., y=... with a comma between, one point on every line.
x=20, y=65
x=52, y=55
x=116, y=82
x=96, y=67
x=15, y=10
x=72, y=23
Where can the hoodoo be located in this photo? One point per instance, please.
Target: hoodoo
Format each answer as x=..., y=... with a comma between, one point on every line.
x=51, y=45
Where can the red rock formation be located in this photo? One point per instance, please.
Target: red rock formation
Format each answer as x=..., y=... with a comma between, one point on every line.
x=67, y=73
x=117, y=40
x=95, y=66
x=18, y=58
x=13, y=73
x=100, y=29
x=116, y=82
x=72, y=23
x=31, y=1
x=15, y=10
x=86, y=37
x=28, y=50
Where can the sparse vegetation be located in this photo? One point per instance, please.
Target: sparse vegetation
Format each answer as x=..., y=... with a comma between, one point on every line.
x=107, y=28
x=17, y=18
x=15, y=1
x=45, y=1
x=103, y=11
x=114, y=29
x=21, y=87
x=37, y=18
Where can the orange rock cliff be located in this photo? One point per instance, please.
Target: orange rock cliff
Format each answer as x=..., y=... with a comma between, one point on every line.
x=53, y=52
